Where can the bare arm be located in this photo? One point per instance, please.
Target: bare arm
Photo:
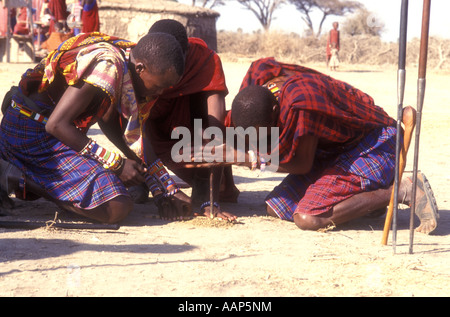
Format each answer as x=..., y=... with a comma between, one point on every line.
x=216, y=110
x=303, y=159
x=111, y=127
x=73, y=102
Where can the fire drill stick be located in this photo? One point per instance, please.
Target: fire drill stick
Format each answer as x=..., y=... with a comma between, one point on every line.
x=29, y=225
x=423, y=57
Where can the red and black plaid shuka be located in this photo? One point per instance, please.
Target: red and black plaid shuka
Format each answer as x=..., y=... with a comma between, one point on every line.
x=356, y=150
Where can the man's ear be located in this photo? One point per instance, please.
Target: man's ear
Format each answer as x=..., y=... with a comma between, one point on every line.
x=275, y=114
x=140, y=67
x=275, y=109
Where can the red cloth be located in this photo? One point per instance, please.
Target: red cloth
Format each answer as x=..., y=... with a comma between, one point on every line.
x=90, y=18
x=21, y=26
x=333, y=38
x=203, y=72
x=312, y=103
x=58, y=11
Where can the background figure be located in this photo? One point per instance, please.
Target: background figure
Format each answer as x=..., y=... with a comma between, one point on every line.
x=13, y=17
x=58, y=11
x=74, y=18
x=333, y=39
x=89, y=16
x=21, y=26
x=334, y=60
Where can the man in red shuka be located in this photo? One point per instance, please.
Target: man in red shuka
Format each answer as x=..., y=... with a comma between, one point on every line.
x=333, y=40
x=200, y=94
x=335, y=143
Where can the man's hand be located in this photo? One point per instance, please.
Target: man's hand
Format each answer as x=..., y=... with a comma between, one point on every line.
x=131, y=173
x=219, y=155
x=176, y=207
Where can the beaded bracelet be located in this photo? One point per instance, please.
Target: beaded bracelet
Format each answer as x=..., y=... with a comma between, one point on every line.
x=159, y=172
x=109, y=160
x=208, y=203
x=153, y=185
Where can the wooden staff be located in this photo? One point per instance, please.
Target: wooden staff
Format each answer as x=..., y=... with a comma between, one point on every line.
x=423, y=57
x=391, y=216
x=409, y=121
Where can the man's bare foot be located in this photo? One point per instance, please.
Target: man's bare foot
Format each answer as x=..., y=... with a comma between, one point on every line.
x=217, y=213
x=426, y=207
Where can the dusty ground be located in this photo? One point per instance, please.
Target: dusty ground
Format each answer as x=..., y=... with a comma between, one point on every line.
x=258, y=256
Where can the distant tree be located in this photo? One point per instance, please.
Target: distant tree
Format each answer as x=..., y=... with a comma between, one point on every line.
x=363, y=22
x=208, y=3
x=327, y=7
x=263, y=10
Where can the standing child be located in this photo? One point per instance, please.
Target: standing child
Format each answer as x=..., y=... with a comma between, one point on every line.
x=334, y=60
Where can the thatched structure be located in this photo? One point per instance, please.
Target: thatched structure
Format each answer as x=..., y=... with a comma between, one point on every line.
x=131, y=19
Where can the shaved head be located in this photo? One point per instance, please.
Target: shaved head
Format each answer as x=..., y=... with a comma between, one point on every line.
x=253, y=107
x=160, y=52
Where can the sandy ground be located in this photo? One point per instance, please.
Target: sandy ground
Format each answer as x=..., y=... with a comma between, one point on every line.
x=258, y=256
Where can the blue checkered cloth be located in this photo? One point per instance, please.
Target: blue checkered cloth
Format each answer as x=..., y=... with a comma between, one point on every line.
x=368, y=166
x=66, y=175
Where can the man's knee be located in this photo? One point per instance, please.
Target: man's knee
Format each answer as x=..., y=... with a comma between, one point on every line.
x=271, y=212
x=309, y=222
x=119, y=209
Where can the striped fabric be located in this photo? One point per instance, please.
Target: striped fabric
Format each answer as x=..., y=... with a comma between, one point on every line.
x=368, y=166
x=61, y=171
x=95, y=58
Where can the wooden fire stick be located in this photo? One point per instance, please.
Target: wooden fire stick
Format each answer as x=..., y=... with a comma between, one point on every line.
x=41, y=224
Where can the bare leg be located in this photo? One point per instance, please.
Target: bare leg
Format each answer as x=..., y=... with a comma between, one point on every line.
x=352, y=208
x=228, y=190
x=112, y=211
x=217, y=181
x=367, y=202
